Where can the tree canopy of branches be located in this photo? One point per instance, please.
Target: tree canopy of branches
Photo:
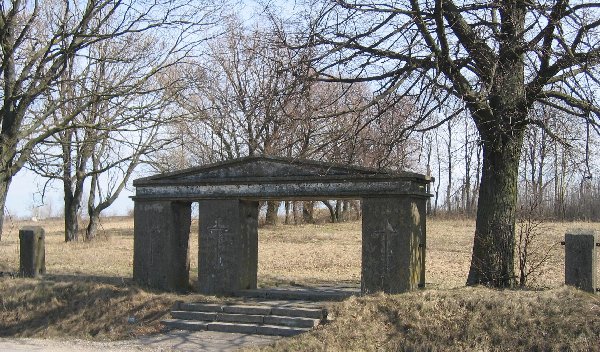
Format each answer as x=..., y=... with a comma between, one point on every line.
x=497, y=58
x=250, y=96
x=40, y=40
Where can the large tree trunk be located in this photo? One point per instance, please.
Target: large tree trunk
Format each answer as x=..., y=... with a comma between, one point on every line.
x=492, y=262
x=501, y=129
x=287, y=212
x=308, y=212
x=332, y=212
x=345, y=210
x=271, y=215
x=295, y=211
x=338, y=210
x=449, y=186
x=71, y=221
x=92, y=228
x=4, y=184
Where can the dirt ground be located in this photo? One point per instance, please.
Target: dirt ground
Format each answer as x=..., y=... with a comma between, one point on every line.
x=205, y=341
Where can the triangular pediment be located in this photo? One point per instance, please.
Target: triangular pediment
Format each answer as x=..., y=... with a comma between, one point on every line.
x=256, y=168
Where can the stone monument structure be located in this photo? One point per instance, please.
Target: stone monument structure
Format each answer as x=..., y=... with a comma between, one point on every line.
x=393, y=225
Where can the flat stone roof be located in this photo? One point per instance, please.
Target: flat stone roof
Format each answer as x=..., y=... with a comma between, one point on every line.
x=266, y=177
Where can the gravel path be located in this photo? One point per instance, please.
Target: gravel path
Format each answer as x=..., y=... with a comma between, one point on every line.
x=174, y=340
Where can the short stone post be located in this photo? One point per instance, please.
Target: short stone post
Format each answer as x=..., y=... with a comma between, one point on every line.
x=580, y=260
x=32, y=252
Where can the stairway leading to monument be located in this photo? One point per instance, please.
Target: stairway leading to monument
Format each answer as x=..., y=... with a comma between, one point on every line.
x=281, y=318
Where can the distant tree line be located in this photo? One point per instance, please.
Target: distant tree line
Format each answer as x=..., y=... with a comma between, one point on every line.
x=558, y=171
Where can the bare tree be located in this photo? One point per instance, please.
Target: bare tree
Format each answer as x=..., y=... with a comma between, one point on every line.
x=38, y=41
x=237, y=97
x=449, y=154
x=499, y=58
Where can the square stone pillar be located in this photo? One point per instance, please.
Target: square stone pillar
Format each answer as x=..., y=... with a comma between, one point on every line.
x=393, y=244
x=32, y=253
x=160, y=248
x=227, y=246
x=581, y=259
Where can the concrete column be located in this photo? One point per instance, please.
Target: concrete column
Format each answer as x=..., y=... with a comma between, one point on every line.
x=581, y=259
x=227, y=246
x=393, y=244
x=32, y=252
x=161, y=240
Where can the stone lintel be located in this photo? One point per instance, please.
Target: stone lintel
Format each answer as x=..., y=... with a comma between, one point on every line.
x=308, y=190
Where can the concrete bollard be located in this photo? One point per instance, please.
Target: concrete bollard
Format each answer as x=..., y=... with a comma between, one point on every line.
x=32, y=252
x=580, y=259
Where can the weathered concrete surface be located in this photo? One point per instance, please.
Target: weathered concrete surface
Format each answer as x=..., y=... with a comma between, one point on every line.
x=393, y=244
x=160, y=251
x=262, y=178
x=581, y=260
x=227, y=246
x=393, y=224
x=32, y=255
x=301, y=190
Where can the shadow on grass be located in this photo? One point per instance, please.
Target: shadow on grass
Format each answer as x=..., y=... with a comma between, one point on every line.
x=79, y=306
x=78, y=278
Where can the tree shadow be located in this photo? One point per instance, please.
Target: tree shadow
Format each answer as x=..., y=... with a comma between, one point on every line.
x=204, y=340
x=79, y=278
x=79, y=306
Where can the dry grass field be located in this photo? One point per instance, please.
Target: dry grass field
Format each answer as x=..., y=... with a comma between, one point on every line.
x=88, y=291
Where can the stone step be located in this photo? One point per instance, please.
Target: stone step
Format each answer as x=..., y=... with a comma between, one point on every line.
x=291, y=321
x=263, y=309
x=299, y=322
x=242, y=328
x=298, y=294
x=182, y=324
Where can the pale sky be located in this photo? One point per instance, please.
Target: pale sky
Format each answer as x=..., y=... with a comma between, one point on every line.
x=25, y=193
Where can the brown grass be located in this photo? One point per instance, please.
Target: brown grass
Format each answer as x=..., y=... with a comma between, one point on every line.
x=465, y=319
x=72, y=307
x=88, y=292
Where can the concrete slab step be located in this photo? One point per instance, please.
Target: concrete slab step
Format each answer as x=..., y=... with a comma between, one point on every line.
x=247, y=309
x=291, y=321
x=199, y=307
x=185, y=324
x=263, y=309
x=315, y=313
x=299, y=294
x=281, y=330
x=299, y=322
x=241, y=328
x=212, y=316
